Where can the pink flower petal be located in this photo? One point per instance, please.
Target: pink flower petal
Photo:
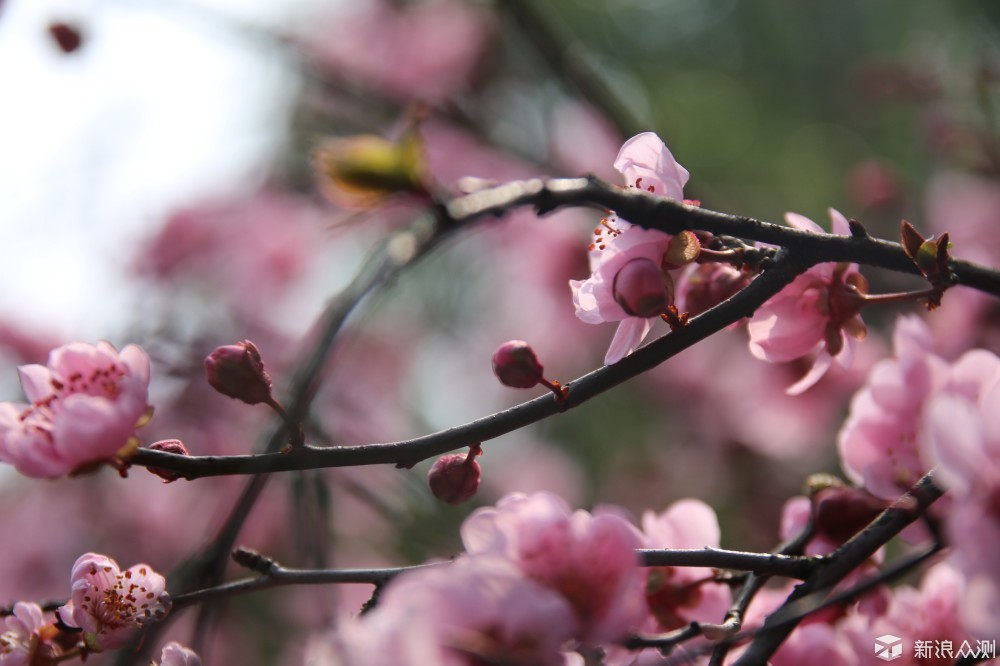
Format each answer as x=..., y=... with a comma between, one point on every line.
x=628, y=336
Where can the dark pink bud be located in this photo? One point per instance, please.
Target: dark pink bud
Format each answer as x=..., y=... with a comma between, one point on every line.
x=643, y=289
x=67, y=37
x=454, y=478
x=515, y=364
x=238, y=371
x=174, y=446
x=710, y=284
x=841, y=512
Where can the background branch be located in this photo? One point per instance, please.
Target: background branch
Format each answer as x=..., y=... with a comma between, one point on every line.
x=837, y=566
x=412, y=451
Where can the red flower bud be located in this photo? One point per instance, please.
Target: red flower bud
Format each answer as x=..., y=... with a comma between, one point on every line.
x=840, y=512
x=516, y=365
x=67, y=37
x=643, y=289
x=454, y=478
x=238, y=371
x=170, y=446
x=710, y=284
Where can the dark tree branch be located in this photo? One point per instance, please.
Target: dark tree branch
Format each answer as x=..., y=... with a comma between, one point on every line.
x=837, y=566
x=410, y=452
x=671, y=216
x=771, y=564
x=804, y=249
x=280, y=576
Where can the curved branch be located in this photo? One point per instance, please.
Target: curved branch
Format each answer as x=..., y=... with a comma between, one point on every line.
x=671, y=216
x=837, y=566
x=409, y=452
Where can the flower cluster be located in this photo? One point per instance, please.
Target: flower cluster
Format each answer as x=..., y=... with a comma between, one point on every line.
x=537, y=582
x=919, y=412
x=106, y=608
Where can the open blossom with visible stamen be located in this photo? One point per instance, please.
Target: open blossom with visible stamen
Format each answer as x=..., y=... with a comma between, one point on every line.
x=816, y=315
x=108, y=604
x=647, y=164
x=84, y=408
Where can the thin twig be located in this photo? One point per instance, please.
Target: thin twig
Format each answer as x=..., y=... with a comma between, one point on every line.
x=409, y=452
x=837, y=566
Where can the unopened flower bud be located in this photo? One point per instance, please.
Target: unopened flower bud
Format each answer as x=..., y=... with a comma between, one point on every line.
x=643, y=289
x=174, y=446
x=238, y=371
x=515, y=364
x=841, y=512
x=710, y=284
x=66, y=36
x=454, y=478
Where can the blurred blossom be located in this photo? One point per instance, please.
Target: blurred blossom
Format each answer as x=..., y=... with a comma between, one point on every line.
x=928, y=613
x=423, y=50
x=678, y=596
x=19, y=643
x=582, y=140
x=85, y=407
x=880, y=442
x=728, y=397
x=472, y=611
x=175, y=654
x=589, y=559
x=815, y=316
x=967, y=207
x=249, y=251
x=962, y=437
x=874, y=184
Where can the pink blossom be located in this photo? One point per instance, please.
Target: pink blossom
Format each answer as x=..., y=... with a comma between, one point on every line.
x=647, y=164
x=962, y=436
x=18, y=642
x=878, y=441
x=589, y=559
x=816, y=315
x=472, y=611
x=926, y=616
x=85, y=407
x=108, y=604
x=426, y=50
x=175, y=654
x=248, y=251
x=594, y=297
x=678, y=596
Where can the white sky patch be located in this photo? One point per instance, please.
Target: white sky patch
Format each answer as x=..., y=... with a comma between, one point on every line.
x=163, y=104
